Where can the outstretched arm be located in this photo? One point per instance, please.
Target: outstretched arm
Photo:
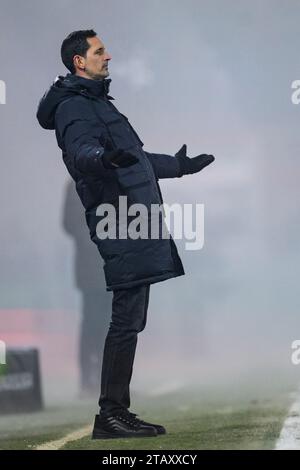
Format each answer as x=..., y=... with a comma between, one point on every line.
x=167, y=166
x=164, y=166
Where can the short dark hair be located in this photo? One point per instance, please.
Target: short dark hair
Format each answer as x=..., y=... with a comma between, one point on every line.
x=75, y=43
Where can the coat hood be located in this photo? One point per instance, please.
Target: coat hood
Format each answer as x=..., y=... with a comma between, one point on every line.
x=65, y=87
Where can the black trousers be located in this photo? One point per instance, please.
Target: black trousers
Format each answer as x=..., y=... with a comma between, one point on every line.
x=129, y=316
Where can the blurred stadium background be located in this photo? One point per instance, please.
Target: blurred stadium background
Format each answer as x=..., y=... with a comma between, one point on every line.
x=218, y=78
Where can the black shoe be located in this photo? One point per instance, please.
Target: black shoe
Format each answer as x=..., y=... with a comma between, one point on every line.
x=159, y=428
x=120, y=425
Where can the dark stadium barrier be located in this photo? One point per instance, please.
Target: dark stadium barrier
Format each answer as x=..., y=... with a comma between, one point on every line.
x=20, y=381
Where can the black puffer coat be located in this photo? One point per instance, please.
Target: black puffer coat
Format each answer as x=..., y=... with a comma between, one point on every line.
x=85, y=121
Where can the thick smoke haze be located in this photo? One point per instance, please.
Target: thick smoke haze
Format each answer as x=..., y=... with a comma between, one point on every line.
x=212, y=74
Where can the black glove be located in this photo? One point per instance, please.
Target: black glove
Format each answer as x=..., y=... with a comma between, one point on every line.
x=188, y=165
x=118, y=159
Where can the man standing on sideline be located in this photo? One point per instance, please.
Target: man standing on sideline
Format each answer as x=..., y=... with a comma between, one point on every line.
x=106, y=159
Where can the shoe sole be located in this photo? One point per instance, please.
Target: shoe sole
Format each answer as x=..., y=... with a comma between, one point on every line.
x=102, y=435
x=161, y=432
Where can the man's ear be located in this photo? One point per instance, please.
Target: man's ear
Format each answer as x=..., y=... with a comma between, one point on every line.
x=79, y=62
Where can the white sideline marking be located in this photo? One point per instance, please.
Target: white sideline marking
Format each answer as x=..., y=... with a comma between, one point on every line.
x=72, y=436
x=289, y=438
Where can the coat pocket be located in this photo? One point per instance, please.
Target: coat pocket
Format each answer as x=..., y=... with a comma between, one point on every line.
x=132, y=177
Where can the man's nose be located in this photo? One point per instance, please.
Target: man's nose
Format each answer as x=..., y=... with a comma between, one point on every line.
x=108, y=56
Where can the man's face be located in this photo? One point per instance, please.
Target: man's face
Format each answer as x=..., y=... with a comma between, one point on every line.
x=95, y=64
